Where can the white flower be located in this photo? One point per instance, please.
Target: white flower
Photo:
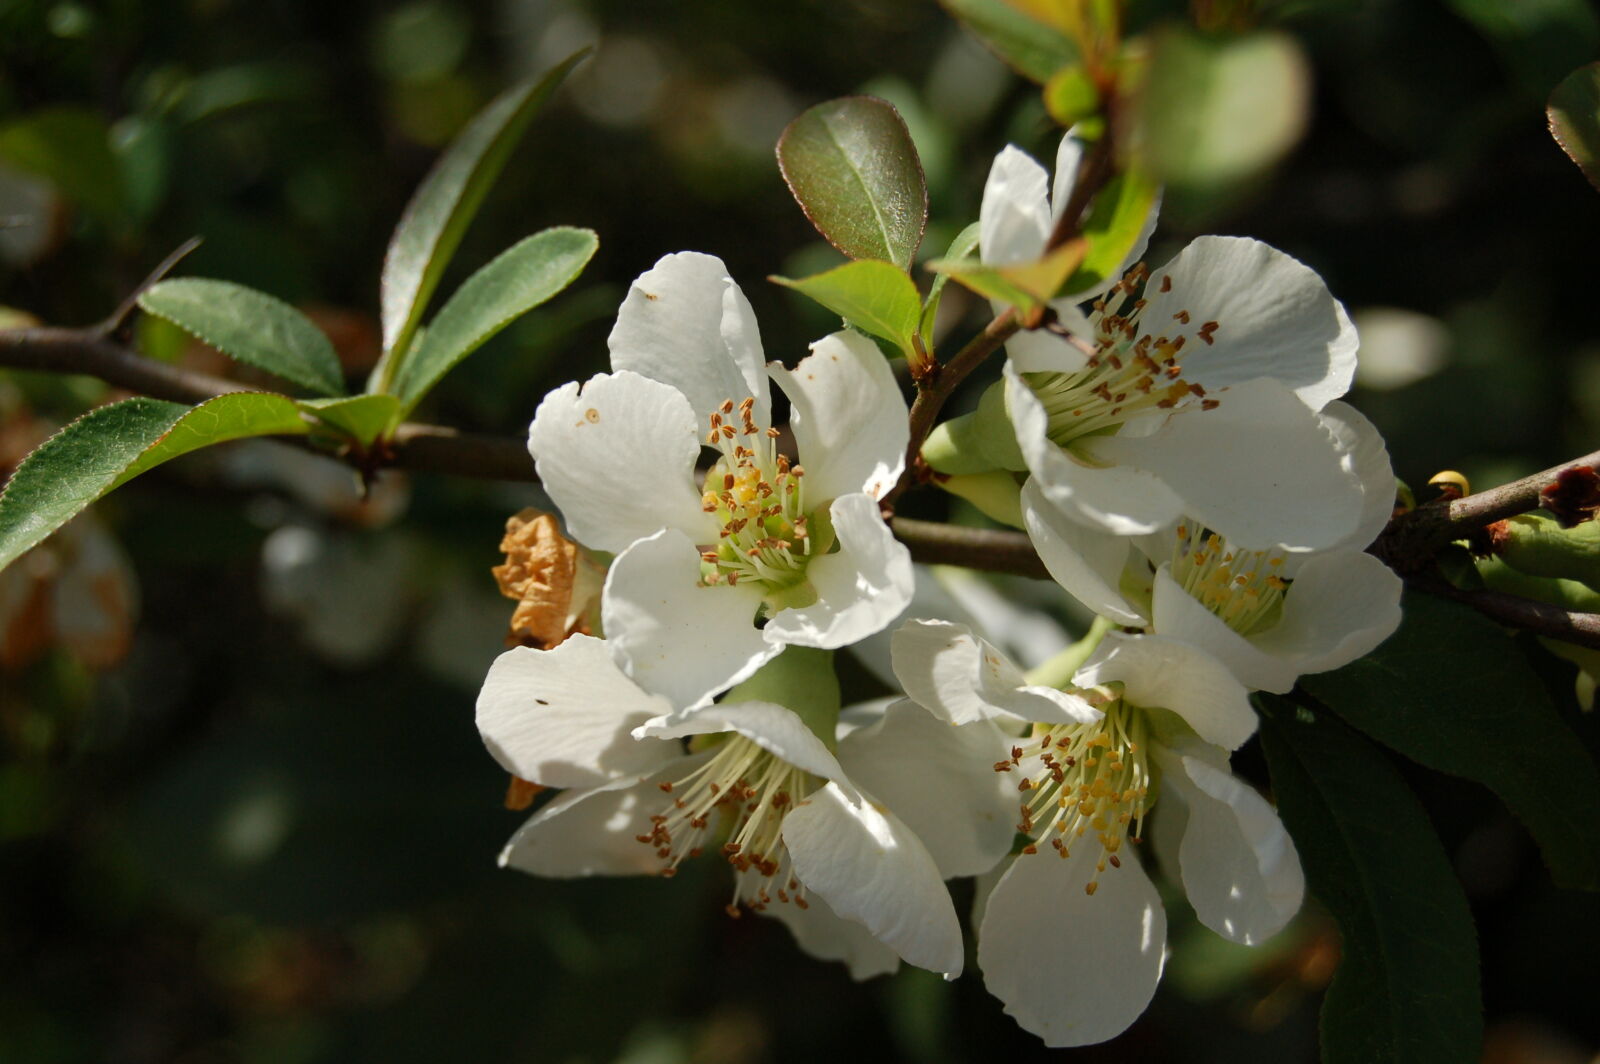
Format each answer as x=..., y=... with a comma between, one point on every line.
x=803, y=543
x=810, y=844
x=1269, y=615
x=1072, y=938
x=1194, y=387
x=1015, y=221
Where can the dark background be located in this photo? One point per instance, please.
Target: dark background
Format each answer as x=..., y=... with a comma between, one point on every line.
x=267, y=833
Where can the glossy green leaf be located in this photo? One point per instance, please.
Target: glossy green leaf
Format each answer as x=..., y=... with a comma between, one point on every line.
x=521, y=278
x=962, y=247
x=855, y=172
x=1218, y=110
x=251, y=326
x=444, y=204
x=1574, y=113
x=1027, y=286
x=1406, y=991
x=362, y=417
x=1118, y=217
x=111, y=445
x=876, y=297
x=1030, y=47
x=1452, y=691
x=70, y=147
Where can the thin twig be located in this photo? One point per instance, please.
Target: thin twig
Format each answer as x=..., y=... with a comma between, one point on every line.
x=1414, y=539
x=88, y=351
x=120, y=317
x=1540, y=618
x=992, y=550
x=935, y=387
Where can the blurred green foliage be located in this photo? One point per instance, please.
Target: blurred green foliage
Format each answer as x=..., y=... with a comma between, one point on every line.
x=268, y=834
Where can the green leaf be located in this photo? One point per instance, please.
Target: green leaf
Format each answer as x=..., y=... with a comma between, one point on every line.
x=1030, y=47
x=521, y=278
x=874, y=296
x=1218, y=110
x=855, y=172
x=444, y=204
x=70, y=147
x=1406, y=991
x=1452, y=691
x=1574, y=113
x=963, y=246
x=111, y=445
x=1028, y=286
x=250, y=326
x=1120, y=213
x=362, y=417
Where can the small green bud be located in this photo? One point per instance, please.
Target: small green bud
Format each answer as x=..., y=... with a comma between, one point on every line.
x=1536, y=544
x=996, y=493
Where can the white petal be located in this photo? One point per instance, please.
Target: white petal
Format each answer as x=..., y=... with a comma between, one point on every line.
x=1339, y=608
x=686, y=323
x=775, y=729
x=1127, y=502
x=1069, y=154
x=1072, y=968
x=594, y=832
x=962, y=679
x=1014, y=218
x=1177, y=615
x=870, y=868
x=1041, y=351
x=1275, y=318
x=929, y=598
x=940, y=780
x=562, y=717
x=1261, y=469
x=1156, y=671
x=1087, y=562
x=1368, y=456
x=849, y=418
x=1240, y=868
x=672, y=636
x=861, y=587
x=824, y=934
x=617, y=456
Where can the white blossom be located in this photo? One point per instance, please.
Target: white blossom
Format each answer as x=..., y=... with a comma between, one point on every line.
x=798, y=542
x=1194, y=387
x=813, y=836
x=1072, y=937
x=1271, y=615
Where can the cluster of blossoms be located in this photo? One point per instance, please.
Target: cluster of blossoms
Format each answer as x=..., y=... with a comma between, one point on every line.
x=1183, y=469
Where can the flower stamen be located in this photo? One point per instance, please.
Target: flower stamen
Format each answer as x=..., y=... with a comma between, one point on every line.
x=742, y=795
x=1083, y=778
x=758, y=498
x=1243, y=588
x=1131, y=372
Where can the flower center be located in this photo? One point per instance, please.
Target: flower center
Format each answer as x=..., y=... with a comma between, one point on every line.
x=741, y=794
x=757, y=497
x=1132, y=371
x=1241, y=587
x=1082, y=778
